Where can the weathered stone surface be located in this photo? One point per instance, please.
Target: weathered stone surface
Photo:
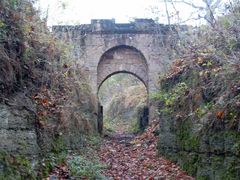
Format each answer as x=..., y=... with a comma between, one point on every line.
x=202, y=136
x=17, y=131
x=104, y=48
x=122, y=59
x=12, y=119
x=19, y=141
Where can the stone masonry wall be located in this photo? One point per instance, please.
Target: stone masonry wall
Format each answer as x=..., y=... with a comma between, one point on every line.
x=17, y=127
x=91, y=41
x=122, y=59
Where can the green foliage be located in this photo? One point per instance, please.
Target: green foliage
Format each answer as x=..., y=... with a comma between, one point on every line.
x=203, y=109
x=81, y=167
x=169, y=97
x=224, y=21
x=134, y=127
x=208, y=63
x=130, y=126
x=15, y=167
x=58, y=145
x=2, y=24
x=191, y=163
x=185, y=138
x=233, y=136
x=50, y=161
x=108, y=124
x=83, y=163
x=231, y=117
x=92, y=140
x=12, y=4
x=231, y=171
x=57, y=155
x=22, y=49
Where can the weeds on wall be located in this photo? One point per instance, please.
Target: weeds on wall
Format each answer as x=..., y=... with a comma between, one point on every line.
x=168, y=98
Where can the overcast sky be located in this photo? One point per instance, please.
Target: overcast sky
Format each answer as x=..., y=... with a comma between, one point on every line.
x=82, y=11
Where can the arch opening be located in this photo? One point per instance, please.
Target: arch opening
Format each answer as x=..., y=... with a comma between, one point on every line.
x=122, y=59
x=123, y=97
x=122, y=72
x=127, y=60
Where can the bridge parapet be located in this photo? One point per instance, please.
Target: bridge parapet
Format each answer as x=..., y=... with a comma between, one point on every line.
x=110, y=26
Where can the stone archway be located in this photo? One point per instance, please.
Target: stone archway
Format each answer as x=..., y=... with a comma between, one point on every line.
x=97, y=47
x=125, y=72
x=122, y=59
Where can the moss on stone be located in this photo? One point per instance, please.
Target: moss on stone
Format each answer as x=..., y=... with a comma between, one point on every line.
x=191, y=163
x=232, y=142
x=186, y=140
x=231, y=169
x=15, y=167
x=202, y=178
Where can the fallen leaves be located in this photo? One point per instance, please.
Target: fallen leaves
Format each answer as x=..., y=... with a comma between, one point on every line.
x=59, y=172
x=131, y=157
x=220, y=115
x=137, y=157
x=45, y=102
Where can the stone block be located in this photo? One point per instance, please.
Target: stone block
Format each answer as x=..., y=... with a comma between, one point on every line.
x=11, y=118
x=19, y=141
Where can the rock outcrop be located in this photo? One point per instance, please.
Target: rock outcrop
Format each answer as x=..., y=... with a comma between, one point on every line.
x=200, y=118
x=46, y=104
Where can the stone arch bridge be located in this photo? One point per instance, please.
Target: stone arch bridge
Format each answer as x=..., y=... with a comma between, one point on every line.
x=142, y=48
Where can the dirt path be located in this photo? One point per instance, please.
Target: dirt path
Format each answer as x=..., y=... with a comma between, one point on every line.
x=135, y=157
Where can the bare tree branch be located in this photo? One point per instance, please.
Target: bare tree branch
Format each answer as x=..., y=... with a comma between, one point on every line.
x=168, y=16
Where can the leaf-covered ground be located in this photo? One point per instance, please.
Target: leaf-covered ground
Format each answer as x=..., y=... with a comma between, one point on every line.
x=129, y=157
x=136, y=157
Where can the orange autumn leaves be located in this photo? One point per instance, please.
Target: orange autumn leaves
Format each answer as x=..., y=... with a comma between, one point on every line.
x=44, y=106
x=219, y=115
x=44, y=101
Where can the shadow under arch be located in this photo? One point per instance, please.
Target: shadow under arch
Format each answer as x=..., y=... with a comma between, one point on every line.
x=124, y=72
x=122, y=58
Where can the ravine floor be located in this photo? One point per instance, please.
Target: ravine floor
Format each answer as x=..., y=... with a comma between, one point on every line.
x=136, y=157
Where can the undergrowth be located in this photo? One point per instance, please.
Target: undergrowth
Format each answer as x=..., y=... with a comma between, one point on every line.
x=84, y=162
x=15, y=167
x=82, y=167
